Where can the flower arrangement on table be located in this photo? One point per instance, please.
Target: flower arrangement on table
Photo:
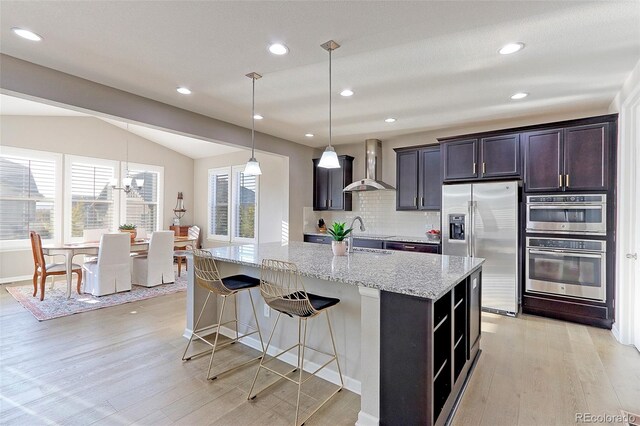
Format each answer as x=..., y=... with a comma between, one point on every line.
x=130, y=228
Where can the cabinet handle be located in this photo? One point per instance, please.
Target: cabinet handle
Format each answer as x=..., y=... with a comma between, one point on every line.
x=410, y=247
x=422, y=201
x=484, y=168
x=326, y=203
x=415, y=202
x=330, y=203
x=559, y=181
x=566, y=180
x=474, y=168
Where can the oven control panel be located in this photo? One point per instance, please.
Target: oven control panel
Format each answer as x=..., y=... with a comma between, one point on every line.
x=564, y=199
x=565, y=244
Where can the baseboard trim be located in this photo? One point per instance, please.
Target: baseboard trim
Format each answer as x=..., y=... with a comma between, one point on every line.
x=365, y=419
x=616, y=333
x=332, y=376
x=15, y=279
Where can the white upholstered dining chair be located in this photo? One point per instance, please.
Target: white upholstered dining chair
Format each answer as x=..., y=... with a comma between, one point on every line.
x=111, y=272
x=156, y=267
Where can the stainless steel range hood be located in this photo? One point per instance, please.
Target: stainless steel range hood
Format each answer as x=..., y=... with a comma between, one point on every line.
x=372, y=170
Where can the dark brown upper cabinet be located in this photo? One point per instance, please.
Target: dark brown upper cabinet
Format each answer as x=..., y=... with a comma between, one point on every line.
x=585, y=157
x=460, y=159
x=418, y=178
x=489, y=157
x=569, y=159
x=543, y=160
x=329, y=183
x=500, y=156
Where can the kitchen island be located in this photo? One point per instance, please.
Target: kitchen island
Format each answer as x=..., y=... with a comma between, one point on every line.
x=407, y=328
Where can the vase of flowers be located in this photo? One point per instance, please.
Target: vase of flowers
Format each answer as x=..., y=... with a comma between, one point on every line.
x=130, y=228
x=338, y=233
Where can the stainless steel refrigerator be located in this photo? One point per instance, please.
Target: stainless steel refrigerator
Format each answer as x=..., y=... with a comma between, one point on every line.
x=481, y=220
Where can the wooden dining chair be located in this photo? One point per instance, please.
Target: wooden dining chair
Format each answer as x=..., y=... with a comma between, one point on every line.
x=42, y=270
x=180, y=253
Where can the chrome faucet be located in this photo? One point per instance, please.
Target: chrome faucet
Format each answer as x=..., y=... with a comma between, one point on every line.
x=350, y=237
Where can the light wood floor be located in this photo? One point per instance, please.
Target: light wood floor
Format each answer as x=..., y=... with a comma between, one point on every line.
x=121, y=365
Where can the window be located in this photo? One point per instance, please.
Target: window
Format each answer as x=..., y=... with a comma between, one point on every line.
x=233, y=204
x=29, y=195
x=143, y=207
x=91, y=203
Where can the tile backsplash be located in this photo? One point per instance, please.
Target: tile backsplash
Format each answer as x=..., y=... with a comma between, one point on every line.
x=378, y=210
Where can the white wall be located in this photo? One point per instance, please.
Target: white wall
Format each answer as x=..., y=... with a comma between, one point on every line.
x=627, y=102
x=273, y=204
x=92, y=137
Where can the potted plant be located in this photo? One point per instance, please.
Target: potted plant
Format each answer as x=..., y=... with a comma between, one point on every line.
x=130, y=228
x=338, y=233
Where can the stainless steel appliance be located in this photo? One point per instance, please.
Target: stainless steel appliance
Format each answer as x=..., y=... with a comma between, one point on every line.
x=372, y=169
x=567, y=214
x=575, y=268
x=481, y=220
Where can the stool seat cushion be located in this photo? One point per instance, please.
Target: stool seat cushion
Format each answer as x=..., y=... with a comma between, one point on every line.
x=240, y=282
x=318, y=302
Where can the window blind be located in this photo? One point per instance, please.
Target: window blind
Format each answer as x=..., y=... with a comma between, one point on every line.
x=27, y=197
x=92, y=198
x=142, y=204
x=219, y=203
x=244, y=206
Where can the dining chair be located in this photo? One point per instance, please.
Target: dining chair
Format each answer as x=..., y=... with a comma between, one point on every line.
x=180, y=253
x=156, y=267
x=111, y=272
x=282, y=288
x=42, y=270
x=93, y=235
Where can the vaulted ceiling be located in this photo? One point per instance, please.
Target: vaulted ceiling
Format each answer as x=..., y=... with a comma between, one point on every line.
x=429, y=64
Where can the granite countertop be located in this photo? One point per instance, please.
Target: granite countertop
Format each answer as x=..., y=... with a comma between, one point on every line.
x=400, y=238
x=416, y=274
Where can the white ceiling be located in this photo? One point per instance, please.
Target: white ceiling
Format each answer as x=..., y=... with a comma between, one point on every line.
x=430, y=64
x=194, y=148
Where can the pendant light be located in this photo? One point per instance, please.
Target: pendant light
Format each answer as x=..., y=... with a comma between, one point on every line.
x=329, y=159
x=253, y=167
x=127, y=181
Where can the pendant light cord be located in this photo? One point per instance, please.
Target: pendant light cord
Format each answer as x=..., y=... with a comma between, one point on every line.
x=253, y=116
x=330, y=50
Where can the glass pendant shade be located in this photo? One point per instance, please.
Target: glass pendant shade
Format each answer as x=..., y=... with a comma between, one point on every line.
x=127, y=181
x=252, y=168
x=329, y=159
x=139, y=183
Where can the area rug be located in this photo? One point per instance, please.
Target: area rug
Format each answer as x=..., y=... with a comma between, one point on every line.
x=56, y=304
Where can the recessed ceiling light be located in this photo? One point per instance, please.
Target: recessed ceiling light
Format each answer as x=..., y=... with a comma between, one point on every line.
x=278, y=49
x=510, y=48
x=309, y=135
x=29, y=35
x=389, y=120
x=346, y=93
x=519, y=95
x=183, y=90
x=258, y=117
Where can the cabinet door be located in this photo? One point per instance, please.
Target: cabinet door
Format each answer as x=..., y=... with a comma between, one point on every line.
x=500, y=156
x=320, y=187
x=430, y=179
x=338, y=179
x=407, y=180
x=475, y=308
x=543, y=161
x=586, y=157
x=460, y=159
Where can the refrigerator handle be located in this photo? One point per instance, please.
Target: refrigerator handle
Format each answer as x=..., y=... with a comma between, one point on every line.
x=470, y=230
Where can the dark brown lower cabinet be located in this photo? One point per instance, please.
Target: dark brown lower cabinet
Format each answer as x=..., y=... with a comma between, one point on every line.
x=427, y=350
x=417, y=247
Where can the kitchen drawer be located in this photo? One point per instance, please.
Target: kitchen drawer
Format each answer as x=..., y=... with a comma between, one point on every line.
x=319, y=239
x=417, y=247
x=367, y=243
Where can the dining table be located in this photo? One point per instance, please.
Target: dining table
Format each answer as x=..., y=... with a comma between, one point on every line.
x=70, y=250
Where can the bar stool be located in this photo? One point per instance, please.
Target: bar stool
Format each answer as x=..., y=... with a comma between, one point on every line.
x=208, y=277
x=282, y=288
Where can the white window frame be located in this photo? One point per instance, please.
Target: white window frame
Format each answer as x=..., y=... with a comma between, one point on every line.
x=31, y=154
x=123, y=197
x=68, y=160
x=232, y=193
x=231, y=211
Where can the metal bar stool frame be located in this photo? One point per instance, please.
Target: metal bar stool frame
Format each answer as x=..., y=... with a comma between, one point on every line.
x=283, y=290
x=207, y=276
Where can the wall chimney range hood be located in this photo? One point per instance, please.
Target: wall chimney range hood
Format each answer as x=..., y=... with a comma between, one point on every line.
x=372, y=170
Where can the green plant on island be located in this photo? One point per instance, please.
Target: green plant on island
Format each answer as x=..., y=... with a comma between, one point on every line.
x=337, y=231
x=127, y=227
